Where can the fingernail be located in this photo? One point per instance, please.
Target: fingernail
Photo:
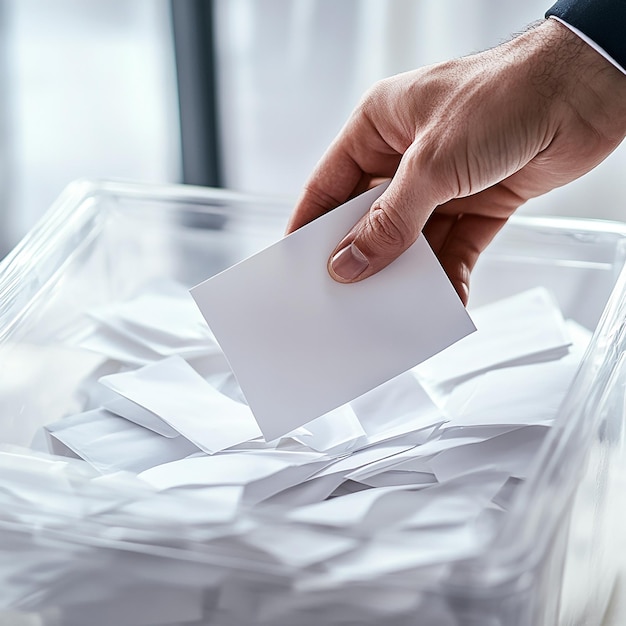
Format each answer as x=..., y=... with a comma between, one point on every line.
x=349, y=263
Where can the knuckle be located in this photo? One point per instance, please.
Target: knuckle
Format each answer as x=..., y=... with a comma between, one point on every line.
x=388, y=231
x=375, y=98
x=431, y=154
x=379, y=89
x=435, y=158
x=320, y=197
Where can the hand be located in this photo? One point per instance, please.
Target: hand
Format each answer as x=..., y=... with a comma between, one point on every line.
x=466, y=142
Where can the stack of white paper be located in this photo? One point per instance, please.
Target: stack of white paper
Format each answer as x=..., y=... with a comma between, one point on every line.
x=393, y=483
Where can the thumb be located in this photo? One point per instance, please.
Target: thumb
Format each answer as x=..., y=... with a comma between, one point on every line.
x=390, y=226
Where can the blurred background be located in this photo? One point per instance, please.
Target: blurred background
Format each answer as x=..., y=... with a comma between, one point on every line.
x=244, y=94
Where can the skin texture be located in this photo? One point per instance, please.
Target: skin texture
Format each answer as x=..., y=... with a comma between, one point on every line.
x=466, y=143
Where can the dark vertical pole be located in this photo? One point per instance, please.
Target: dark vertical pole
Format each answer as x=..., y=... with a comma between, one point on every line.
x=7, y=140
x=194, y=45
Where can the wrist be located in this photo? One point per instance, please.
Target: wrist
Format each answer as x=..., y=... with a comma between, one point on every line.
x=592, y=43
x=578, y=77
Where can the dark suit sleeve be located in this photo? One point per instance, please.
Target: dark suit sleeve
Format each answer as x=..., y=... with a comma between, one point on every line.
x=603, y=21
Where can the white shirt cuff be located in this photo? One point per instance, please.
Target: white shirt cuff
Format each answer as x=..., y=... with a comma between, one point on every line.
x=593, y=44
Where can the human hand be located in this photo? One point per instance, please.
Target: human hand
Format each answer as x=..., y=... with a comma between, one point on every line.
x=466, y=142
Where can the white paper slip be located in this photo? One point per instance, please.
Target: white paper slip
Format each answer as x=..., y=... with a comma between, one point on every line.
x=518, y=395
x=162, y=316
x=175, y=392
x=523, y=395
x=397, y=478
x=525, y=328
x=362, y=458
x=240, y=468
x=511, y=452
x=123, y=407
x=307, y=492
x=298, y=546
x=408, y=459
x=346, y=511
x=109, y=442
x=397, y=407
x=401, y=552
x=106, y=342
x=301, y=344
x=336, y=432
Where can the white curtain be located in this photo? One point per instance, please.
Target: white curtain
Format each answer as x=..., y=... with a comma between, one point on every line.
x=291, y=71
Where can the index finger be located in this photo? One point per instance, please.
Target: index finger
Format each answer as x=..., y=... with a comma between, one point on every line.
x=332, y=182
x=359, y=153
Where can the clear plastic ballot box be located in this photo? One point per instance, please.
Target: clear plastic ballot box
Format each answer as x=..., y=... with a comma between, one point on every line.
x=67, y=559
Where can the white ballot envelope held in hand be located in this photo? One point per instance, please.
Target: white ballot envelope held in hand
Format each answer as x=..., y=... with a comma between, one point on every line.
x=301, y=344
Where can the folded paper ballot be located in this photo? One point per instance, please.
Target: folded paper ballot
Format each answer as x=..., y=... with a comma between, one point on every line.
x=301, y=344
x=156, y=387
x=502, y=395
x=159, y=322
x=394, y=485
x=142, y=417
x=519, y=329
x=109, y=442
